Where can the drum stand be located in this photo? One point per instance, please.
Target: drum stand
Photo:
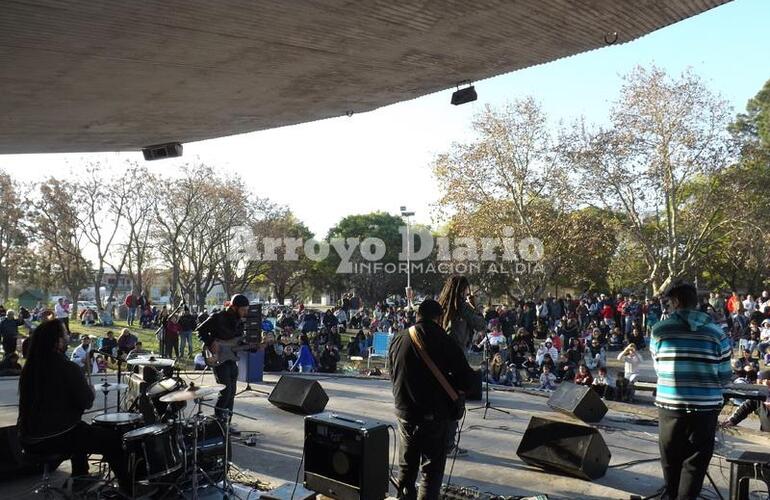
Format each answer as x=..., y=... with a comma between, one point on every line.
x=105, y=392
x=197, y=418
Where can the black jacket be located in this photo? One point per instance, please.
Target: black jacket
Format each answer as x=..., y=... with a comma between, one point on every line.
x=56, y=401
x=745, y=410
x=187, y=322
x=223, y=325
x=417, y=393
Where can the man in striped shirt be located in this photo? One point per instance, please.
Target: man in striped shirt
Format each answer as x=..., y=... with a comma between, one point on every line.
x=692, y=361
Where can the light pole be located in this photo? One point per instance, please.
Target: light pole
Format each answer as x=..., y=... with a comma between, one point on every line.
x=409, y=295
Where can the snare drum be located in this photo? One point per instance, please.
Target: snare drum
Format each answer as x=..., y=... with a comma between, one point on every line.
x=119, y=422
x=153, y=452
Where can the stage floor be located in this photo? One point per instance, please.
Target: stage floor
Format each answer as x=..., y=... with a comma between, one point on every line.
x=491, y=464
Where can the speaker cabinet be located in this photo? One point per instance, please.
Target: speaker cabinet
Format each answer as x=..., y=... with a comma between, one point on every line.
x=477, y=392
x=580, y=401
x=299, y=395
x=346, y=457
x=572, y=449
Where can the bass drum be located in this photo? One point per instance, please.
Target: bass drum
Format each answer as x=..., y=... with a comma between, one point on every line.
x=153, y=453
x=211, y=448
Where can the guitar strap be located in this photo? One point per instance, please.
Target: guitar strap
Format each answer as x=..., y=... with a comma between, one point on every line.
x=451, y=392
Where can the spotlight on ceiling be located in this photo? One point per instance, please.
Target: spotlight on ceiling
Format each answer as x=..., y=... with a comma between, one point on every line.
x=461, y=96
x=161, y=151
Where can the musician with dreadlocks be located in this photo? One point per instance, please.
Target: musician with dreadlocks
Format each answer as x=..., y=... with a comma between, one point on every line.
x=460, y=320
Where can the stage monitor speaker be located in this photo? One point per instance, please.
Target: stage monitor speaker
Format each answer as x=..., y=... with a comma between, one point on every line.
x=580, y=401
x=346, y=457
x=573, y=449
x=299, y=395
x=477, y=392
x=12, y=462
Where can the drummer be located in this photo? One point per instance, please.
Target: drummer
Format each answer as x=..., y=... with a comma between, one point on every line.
x=53, y=394
x=225, y=325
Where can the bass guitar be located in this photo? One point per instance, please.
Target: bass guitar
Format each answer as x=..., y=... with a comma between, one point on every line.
x=227, y=350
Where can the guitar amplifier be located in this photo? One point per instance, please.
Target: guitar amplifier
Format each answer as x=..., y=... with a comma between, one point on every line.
x=346, y=457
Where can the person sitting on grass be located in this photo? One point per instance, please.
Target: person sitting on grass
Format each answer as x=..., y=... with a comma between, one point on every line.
x=10, y=366
x=531, y=368
x=547, y=379
x=498, y=372
x=329, y=359
x=565, y=371
x=602, y=384
x=616, y=340
x=583, y=376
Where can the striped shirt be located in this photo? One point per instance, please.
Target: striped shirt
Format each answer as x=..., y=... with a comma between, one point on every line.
x=692, y=360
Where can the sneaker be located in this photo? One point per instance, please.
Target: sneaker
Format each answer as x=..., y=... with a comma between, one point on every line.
x=234, y=431
x=457, y=451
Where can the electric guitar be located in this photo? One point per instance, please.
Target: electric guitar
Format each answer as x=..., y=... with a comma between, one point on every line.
x=227, y=350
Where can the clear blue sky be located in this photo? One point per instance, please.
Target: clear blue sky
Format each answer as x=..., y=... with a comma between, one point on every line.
x=380, y=160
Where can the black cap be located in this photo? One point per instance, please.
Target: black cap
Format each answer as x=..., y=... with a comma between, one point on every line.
x=239, y=300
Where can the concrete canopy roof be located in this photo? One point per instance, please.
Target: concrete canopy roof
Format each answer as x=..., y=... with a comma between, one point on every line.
x=85, y=75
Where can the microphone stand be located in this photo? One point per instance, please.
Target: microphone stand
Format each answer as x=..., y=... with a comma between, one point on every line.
x=487, y=405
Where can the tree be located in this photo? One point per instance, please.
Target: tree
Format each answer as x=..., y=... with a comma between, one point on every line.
x=12, y=238
x=102, y=203
x=60, y=238
x=371, y=283
x=658, y=165
x=509, y=177
x=139, y=220
x=285, y=275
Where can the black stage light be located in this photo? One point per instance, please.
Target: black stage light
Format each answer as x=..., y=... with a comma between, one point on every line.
x=161, y=151
x=461, y=96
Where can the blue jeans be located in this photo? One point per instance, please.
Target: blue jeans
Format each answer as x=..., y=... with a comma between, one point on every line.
x=131, y=316
x=186, y=338
x=305, y=368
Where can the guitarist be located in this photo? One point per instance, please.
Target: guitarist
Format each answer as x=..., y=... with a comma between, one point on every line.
x=424, y=406
x=220, y=327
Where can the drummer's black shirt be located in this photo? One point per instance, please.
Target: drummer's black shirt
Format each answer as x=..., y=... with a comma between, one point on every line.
x=54, y=401
x=223, y=325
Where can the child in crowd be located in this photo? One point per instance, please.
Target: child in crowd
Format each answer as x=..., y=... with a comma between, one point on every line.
x=584, y=376
x=616, y=341
x=547, y=379
x=602, y=384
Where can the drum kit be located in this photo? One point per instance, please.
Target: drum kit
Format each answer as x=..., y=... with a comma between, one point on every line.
x=169, y=451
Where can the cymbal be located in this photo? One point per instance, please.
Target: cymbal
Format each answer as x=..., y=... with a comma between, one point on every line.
x=151, y=361
x=192, y=392
x=107, y=387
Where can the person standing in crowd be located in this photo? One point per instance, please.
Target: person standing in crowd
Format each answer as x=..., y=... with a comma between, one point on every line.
x=187, y=324
x=62, y=312
x=423, y=405
x=131, y=304
x=306, y=362
x=225, y=325
x=9, y=331
x=692, y=361
x=171, y=337
x=53, y=394
x=461, y=320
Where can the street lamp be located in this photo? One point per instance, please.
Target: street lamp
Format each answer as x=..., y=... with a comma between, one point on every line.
x=409, y=295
